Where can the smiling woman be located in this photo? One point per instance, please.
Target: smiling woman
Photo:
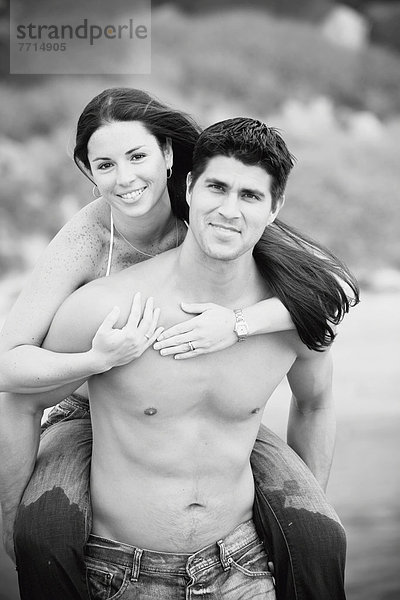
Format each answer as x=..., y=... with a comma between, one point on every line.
x=133, y=181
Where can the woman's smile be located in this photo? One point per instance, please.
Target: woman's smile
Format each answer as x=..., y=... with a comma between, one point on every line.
x=134, y=194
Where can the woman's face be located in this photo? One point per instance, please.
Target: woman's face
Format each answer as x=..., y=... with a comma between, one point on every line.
x=129, y=167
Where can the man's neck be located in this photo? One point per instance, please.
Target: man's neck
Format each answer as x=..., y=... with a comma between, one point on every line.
x=205, y=279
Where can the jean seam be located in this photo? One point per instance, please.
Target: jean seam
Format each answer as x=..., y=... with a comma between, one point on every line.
x=260, y=492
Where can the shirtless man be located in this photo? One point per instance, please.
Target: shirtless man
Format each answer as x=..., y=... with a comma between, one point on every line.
x=185, y=429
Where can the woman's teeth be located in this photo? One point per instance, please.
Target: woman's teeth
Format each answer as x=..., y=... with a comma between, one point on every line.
x=133, y=195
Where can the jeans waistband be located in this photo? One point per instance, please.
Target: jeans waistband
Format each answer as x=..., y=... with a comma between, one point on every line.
x=77, y=401
x=223, y=552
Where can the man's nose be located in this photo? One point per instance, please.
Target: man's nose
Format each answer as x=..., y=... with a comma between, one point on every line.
x=229, y=207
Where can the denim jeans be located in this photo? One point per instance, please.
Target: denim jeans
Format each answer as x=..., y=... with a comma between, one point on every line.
x=232, y=568
x=301, y=532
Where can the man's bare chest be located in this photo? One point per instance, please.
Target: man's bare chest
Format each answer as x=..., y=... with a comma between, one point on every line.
x=231, y=384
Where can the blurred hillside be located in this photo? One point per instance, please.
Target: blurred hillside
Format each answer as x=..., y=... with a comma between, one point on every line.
x=338, y=109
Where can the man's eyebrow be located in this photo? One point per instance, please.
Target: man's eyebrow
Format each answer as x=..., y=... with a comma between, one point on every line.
x=126, y=154
x=217, y=181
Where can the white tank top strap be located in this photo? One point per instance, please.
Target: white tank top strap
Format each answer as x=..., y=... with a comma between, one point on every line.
x=111, y=245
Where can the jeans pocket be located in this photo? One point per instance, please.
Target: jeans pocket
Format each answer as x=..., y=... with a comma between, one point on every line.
x=105, y=581
x=253, y=561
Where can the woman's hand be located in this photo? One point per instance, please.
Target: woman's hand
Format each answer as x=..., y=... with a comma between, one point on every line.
x=210, y=331
x=116, y=347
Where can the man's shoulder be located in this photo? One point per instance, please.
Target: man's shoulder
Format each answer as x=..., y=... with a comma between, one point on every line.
x=300, y=349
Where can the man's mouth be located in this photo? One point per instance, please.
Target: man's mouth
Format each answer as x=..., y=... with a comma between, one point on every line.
x=133, y=195
x=225, y=228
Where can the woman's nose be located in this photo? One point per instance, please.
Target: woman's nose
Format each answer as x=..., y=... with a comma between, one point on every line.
x=125, y=175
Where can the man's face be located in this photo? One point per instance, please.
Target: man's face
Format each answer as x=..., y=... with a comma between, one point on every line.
x=230, y=206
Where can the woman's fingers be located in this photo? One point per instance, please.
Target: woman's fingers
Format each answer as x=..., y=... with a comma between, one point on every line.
x=153, y=338
x=136, y=312
x=148, y=329
x=175, y=330
x=186, y=350
x=172, y=343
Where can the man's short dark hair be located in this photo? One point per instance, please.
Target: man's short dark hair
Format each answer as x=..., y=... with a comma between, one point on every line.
x=251, y=142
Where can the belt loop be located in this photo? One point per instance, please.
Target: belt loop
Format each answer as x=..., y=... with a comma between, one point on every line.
x=223, y=556
x=137, y=556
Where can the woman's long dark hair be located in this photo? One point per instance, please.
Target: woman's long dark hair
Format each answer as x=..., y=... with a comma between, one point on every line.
x=129, y=104
x=308, y=279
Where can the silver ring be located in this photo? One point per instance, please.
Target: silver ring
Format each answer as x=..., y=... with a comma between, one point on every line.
x=191, y=347
x=147, y=336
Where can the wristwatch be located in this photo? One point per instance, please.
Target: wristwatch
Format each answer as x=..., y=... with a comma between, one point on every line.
x=241, y=328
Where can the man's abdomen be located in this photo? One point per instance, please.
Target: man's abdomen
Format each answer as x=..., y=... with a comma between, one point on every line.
x=157, y=502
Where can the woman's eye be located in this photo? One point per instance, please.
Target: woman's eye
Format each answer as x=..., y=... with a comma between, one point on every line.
x=104, y=166
x=135, y=157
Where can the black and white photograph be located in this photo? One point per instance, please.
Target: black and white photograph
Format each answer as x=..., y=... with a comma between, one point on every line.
x=199, y=300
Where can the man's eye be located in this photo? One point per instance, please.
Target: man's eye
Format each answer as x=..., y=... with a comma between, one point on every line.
x=250, y=196
x=215, y=186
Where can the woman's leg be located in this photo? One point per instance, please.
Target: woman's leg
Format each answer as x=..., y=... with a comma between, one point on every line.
x=301, y=530
x=54, y=517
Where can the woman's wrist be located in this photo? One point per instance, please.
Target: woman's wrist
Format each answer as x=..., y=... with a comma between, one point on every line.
x=96, y=362
x=267, y=316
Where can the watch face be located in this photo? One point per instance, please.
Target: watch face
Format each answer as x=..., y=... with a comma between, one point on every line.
x=241, y=329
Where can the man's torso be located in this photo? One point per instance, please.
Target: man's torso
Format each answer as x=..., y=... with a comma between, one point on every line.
x=172, y=439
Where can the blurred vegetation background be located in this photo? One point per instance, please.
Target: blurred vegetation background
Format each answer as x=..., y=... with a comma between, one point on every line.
x=328, y=75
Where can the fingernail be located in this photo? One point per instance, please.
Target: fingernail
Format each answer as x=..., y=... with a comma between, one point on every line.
x=157, y=346
x=162, y=352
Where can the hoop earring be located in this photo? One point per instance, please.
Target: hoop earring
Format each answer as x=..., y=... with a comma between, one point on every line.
x=169, y=173
x=94, y=190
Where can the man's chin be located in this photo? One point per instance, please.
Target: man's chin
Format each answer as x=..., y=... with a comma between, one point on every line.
x=223, y=255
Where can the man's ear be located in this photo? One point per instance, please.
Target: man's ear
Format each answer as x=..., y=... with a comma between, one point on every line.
x=168, y=153
x=188, y=187
x=278, y=205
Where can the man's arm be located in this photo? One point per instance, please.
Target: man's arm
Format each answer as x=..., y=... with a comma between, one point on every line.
x=312, y=423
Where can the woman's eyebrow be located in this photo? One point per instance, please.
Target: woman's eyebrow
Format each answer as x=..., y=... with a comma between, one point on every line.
x=126, y=153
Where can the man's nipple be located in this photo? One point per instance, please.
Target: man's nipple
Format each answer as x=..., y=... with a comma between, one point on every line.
x=150, y=411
